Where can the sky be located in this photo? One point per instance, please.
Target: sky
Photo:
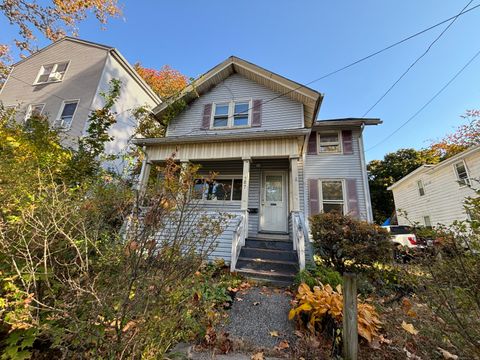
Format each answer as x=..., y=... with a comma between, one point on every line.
x=303, y=40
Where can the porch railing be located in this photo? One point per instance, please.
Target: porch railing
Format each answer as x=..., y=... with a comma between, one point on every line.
x=239, y=235
x=300, y=236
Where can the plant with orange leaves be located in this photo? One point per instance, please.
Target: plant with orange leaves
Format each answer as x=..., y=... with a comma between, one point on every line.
x=165, y=82
x=325, y=303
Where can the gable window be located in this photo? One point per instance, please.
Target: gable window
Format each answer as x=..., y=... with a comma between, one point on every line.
x=222, y=188
x=462, y=174
x=329, y=142
x=332, y=196
x=231, y=114
x=421, y=189
x=66, y=114
x=34, y=109
x=51, y=73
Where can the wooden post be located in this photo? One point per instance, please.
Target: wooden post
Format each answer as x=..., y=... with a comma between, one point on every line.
x=295, y=186
x=245, y=183
x=350, y=327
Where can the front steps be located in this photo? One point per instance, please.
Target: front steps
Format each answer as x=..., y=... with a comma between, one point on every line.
x=271, y=260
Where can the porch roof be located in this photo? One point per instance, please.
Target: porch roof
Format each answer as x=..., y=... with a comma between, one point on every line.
x=219, y=137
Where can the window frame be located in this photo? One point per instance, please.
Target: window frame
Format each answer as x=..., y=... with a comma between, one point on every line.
x=462, y=182
x=29, y=110
x=231, y=113
x=425, y=217
x=58, y=120
x=55, y=66
x=221, y=177
x=319, y=144
x=344, y=195
x=421, y=188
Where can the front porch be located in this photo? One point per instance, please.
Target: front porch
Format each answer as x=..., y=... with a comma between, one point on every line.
x=264, y=193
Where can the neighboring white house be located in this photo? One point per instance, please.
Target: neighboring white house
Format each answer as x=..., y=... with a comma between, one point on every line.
x=277, y=164
x=64, y=80
x=435, y=194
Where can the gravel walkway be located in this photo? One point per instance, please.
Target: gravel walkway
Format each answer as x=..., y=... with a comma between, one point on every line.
x=257, y=314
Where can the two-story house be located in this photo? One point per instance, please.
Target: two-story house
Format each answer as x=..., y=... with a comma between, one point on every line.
x=276, y=163
x=64, y=81
x=435, y=194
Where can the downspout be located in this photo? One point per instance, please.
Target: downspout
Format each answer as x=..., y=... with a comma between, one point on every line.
x=366, y=188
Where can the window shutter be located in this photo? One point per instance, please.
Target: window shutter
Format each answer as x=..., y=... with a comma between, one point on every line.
x=347, y=141
x=257, y=113
x=313, y=197
x=352, y=198
x=312, y=144
x=207, y=115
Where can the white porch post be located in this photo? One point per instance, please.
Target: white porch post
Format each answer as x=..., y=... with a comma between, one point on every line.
x=245, y=183
x=144, y=176
x=295, y=183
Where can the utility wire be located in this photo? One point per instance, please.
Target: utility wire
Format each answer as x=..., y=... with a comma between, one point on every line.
x=426, y=104
x=416, y=61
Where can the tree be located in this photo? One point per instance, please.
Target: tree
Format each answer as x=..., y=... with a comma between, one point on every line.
x=383, y=173
x=52, y=19
x=166, y=82
x=463, y=137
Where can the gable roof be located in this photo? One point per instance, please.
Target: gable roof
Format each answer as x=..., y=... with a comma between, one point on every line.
x=115, y=54
x=431, y=168
x=311, y=99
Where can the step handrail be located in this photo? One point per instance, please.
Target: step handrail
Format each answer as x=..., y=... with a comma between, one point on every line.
x=238, y=239
x=300, y=236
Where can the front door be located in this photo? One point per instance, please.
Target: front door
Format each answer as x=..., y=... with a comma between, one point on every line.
x=273, y=209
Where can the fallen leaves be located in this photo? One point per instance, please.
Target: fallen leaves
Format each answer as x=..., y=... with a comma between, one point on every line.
x=274, y=333
x=282, y=345
x=447, y=355
x=257, y=356
x=409, y=328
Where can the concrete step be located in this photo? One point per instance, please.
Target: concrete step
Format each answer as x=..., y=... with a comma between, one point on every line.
x=268, y=244
x=271, y=266
x=277, y=279
x=268, y=254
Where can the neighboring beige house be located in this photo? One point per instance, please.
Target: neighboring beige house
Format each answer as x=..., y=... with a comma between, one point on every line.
x=64, y=80
x=435, y=194
x=277, y=164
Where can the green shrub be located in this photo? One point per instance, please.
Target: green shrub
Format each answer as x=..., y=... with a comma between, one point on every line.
x=348, y=244
x=313, y=276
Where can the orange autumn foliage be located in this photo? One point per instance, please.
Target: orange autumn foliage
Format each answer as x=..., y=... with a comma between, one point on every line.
x=166, y=82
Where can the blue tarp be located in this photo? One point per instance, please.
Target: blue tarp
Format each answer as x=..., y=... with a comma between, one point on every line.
x=386, y=222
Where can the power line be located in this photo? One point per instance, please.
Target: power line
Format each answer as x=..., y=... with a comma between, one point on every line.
x=426, y=104
x=416, y=61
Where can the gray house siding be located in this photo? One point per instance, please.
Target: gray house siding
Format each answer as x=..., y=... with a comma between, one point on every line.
x=338, y=166
x=281, y=113
x=79, y=83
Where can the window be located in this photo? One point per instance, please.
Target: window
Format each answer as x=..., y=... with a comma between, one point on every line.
x=51, y=73
x=426, y=221
x=462, y=174
x=332, y=198
x=329, y=142
x=421, y=189
x=34, y=109
x=223, y=188
x=231, y=114
x=66, y=114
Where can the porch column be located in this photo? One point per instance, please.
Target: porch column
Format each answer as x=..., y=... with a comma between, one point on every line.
x=245, y=183
x=295, y=183
x=144, y=176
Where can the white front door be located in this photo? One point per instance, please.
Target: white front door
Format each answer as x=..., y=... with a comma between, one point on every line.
x=273, y=209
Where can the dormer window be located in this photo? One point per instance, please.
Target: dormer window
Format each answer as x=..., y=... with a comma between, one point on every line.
x=51, y=73
x=231, y=114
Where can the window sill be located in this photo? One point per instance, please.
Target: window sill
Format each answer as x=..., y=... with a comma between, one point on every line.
x=47, y=82
x=221, y=202
x=231, y=127
x=330, y=153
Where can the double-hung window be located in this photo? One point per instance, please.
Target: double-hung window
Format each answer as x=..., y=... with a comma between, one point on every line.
x=34, y=109
x=231, y=114
x=462, y=173
x=51, y=73
x=421, y=189
x=332, y=196
x=226, y=188
x=329, y=142
x=427, y=221
x=67, y=112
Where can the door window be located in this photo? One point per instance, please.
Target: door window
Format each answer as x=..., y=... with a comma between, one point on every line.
x=273, y=187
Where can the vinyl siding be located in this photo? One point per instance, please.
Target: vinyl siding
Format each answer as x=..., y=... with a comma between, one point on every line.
x=281, y=113
x=80, y=82
x=444, y=198
x=132, y=96
x=338, y=166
